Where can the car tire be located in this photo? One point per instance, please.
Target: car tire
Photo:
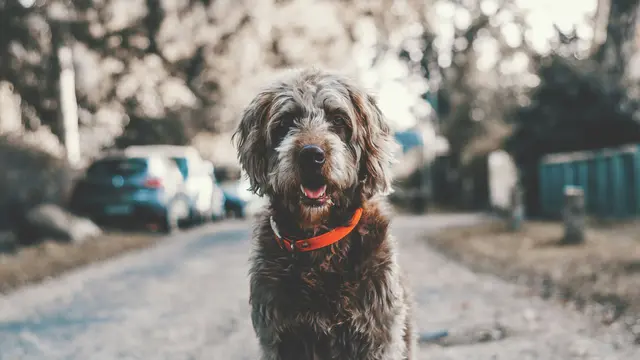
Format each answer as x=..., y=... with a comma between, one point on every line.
x=234, y=211
x=171, y=221
x=214, y=215
x=210, y=215
x=221, y=216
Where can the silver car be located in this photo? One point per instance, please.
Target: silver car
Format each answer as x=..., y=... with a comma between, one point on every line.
x=206, y=199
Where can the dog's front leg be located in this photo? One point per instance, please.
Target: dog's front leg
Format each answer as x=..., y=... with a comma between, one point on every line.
x=284, y=347
x=267, y=335
x=279, y=342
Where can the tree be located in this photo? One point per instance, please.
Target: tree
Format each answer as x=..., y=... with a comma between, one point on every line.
x=621, y=34
x=580, y=104
x=144, y=61
x=485, y=65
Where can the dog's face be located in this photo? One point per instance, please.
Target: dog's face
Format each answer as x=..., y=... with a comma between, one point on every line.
x=313, y=141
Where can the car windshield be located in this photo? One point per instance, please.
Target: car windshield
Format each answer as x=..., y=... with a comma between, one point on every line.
x=123, y=167
x=182, y=165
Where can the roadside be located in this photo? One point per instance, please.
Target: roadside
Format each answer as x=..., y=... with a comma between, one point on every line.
x=600, y=277
x=34, y=264
x=188, y=299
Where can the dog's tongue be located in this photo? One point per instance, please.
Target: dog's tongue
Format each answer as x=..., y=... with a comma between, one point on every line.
x=316, y=193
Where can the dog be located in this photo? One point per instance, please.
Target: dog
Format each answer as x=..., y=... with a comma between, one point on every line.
x=324, y=280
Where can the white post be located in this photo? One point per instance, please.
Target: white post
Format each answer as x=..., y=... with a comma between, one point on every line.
x=69, y=105
x=10, y=112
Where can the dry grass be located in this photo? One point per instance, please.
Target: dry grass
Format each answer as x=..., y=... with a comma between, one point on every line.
x=606, y=268
x=49, y=259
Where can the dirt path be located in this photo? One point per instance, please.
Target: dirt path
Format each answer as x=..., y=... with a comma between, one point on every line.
x=187, y=299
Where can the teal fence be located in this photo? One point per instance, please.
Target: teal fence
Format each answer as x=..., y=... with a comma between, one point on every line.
x=610, y=179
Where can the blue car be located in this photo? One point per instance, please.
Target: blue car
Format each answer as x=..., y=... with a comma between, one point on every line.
x=122, y=188
x=234, y=206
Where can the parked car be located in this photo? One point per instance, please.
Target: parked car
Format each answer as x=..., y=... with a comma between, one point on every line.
x=241, y=199
x=133, y=188
x=219, y=203
x=206, y=199
x=234, y=206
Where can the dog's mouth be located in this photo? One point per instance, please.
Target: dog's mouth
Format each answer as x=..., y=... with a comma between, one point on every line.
x=314, y=196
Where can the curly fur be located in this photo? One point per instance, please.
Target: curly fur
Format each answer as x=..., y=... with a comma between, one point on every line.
x=348, y=300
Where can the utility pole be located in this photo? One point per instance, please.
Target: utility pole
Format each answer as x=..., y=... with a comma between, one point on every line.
x=69, y=105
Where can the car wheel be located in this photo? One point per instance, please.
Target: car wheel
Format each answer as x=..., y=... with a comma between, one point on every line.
x=221, y=214
x=171, y=220
x=233, y=211
x=211, y=215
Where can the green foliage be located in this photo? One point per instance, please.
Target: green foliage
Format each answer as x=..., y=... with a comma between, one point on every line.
x=575, y=107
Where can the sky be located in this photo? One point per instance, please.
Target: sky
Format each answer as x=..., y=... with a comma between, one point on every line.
x=397, y=96
x=540, y=17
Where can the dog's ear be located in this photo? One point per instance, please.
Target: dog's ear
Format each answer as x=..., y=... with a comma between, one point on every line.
x=376, y=142
x=251, y=141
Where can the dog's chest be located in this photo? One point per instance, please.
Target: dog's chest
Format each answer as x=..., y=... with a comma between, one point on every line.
x=325, y=298
x=329, y=314
x=328, y=293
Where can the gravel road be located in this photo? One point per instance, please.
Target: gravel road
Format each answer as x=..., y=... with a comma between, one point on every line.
x=187, y=299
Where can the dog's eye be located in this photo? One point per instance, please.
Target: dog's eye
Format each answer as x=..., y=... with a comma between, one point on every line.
x=338, y=120
x=279, y=132
x=339, y=125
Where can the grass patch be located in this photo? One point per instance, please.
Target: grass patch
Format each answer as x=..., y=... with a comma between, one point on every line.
x=34, y=264
x=605, y=270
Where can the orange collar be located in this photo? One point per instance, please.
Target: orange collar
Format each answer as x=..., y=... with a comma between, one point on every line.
x=319, y=241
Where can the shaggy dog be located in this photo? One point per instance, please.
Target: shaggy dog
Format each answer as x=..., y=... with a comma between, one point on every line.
x=325, y=281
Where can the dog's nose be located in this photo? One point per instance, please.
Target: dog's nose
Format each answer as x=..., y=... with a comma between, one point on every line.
x=312, y=156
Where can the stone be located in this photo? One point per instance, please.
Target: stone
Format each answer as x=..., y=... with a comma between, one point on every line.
x=51, y=222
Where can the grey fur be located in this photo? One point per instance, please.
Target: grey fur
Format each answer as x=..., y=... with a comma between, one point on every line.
x=348, y=300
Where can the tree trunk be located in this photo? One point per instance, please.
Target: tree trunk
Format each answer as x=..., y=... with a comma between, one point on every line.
x=620, y=42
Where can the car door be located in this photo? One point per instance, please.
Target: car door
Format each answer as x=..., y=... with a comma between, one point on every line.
x=205, y=184
x=199, y=185
x=172, y=178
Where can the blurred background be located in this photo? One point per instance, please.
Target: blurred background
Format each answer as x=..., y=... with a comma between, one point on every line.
x=461, y=81
x=115, y=129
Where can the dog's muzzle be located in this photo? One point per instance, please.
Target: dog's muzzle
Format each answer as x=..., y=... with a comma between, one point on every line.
x=311, y=159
